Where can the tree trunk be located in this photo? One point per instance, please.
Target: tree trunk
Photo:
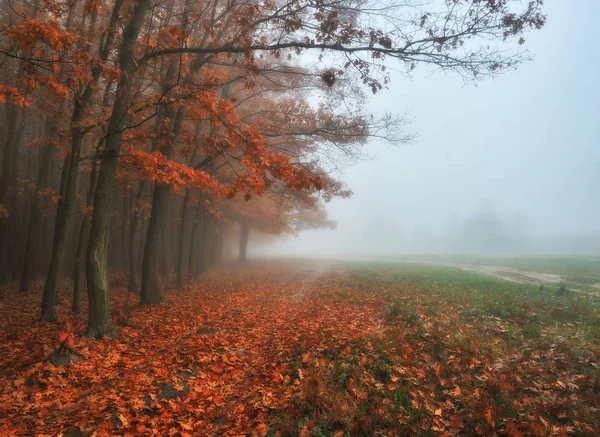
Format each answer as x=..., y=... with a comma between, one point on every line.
x=158, y=213
x=35, y=217
x=63, y=220
x=150, y=292
x=124, y=232
x=9, y=172
x=244, y=234
x=133, y=231
x=99, y=322
x=181, y=240
x=7, y=181
x=164, y=247
x=193, y=251
x=207, y=237
x=82, y=243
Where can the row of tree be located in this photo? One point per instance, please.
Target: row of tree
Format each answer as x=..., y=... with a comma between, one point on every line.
x=135, y=133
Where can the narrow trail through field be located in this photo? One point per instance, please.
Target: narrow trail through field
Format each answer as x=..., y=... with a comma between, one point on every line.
x=315, y=272
x=518, y=276
x=502, y=272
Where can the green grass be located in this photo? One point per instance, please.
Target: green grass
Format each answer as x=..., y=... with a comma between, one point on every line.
x=576, y=269
x=529, y=306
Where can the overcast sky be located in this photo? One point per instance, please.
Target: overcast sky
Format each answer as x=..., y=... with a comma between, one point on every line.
x=525, y=145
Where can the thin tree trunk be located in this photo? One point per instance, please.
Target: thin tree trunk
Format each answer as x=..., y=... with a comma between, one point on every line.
x=193, y=250
x=8, y=175
x=150, y=293
x=244, y=234
x=206, y=243
x=35, y=217
x=181, y=240
x=63, y=219
x=82, y=243
x=124, y=232
x=133, y=231
x=7, y=182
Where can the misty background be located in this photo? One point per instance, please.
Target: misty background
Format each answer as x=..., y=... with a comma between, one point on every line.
x=511, y=165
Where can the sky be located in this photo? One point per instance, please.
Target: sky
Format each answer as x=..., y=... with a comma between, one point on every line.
x=524, y=145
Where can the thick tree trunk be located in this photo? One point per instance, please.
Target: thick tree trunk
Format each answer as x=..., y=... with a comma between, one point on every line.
x=150, y=293
x=244, y=234
x=99, y=322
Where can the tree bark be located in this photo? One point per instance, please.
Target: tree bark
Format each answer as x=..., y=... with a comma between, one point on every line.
x=82, y=243
x=63, y=222
x=150, y=293
x=99, y=322
x=181, y=240
x=35, y=217
x=7, y=182
x=158, y=213
x=64, y=215
x=133, y=231
x=193, y=251
x=123, y=241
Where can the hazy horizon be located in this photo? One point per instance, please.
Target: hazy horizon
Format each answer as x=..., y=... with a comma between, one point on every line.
x=523, y=146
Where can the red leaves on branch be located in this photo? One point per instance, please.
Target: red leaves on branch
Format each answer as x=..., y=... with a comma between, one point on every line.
x=159, y=169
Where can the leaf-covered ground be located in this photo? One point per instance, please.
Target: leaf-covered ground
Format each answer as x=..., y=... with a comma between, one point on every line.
x=347, y=350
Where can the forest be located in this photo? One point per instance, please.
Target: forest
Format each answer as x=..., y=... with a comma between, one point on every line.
x=145, y=144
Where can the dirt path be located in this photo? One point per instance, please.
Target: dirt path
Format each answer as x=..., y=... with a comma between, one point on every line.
x=314, y=274
x=512, y=274
x=506, y=273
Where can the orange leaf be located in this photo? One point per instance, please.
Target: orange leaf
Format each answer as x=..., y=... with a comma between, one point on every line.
x=262, y=429
x=488, y=416
x=186, y=426
x=123, y=420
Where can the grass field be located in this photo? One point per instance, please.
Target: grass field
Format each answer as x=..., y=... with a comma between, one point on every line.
x=339, y=349
x=574, y=269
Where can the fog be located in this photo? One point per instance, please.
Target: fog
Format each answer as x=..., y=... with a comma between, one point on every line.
x=509, y=165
